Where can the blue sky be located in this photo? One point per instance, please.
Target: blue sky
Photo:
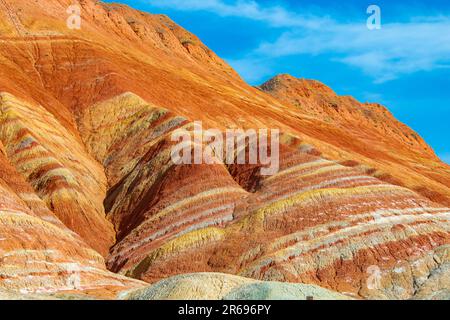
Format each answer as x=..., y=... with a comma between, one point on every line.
x=405, y=65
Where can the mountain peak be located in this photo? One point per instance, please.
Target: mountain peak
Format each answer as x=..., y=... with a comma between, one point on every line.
x=313, y=98
x=286, y=81
x=89, y=191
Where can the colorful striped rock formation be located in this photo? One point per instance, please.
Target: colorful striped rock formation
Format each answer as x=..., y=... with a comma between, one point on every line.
x=92, y=205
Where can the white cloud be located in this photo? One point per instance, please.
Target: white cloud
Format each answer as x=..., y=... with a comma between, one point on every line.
x=422, y=44
x=250, y=69
x=384, y=54
x=276, y=16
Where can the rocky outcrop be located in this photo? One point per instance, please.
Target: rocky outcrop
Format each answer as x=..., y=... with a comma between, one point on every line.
x=56, y=165
x=367, y=130
x=316, y=221
x=39, y=255
x=212, y=286
x=359, y=206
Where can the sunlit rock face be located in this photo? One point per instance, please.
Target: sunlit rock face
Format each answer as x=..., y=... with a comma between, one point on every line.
x=316, y=221
x=58, y=168
x=39, y=254
x=92, y=205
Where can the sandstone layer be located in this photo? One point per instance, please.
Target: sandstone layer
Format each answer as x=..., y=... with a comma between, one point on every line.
x=91, y=204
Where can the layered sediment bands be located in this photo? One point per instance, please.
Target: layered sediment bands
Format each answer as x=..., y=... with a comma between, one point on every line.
x=152, y=199
x=122, y=50
x=368, y=131
x=121, y=130
x=40, y=256
x=85, y=148
x=52, y=261
x=58, y=168
x=314, y=222
x=14, y=182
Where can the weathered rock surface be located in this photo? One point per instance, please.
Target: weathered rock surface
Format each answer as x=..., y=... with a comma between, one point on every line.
x=58, y=168
x=316, y=221
x=86, y=117
x=216, y=286
x=38, y=254
x=393, y=152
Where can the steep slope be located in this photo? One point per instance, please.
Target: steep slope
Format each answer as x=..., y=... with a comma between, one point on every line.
x=38, y=254
x=56, y=165
x=85, y=134
x=121, y=50
x=152, y=57
x=366, y=130
x=316, y=221
x=363, y=121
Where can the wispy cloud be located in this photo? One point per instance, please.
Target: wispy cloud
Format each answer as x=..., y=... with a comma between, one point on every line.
x=276, y=16
x=445, y=157
x=385, y=54
x=250, y=69
x=422, y=44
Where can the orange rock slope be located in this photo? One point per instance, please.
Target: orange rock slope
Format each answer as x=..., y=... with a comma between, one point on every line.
x=87, y=181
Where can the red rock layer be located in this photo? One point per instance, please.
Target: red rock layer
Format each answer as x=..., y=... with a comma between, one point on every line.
x=316, y=221
x=88, y=114
x=122, y=50
x=366, y=130
x=58, y=168
x=38, y=254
